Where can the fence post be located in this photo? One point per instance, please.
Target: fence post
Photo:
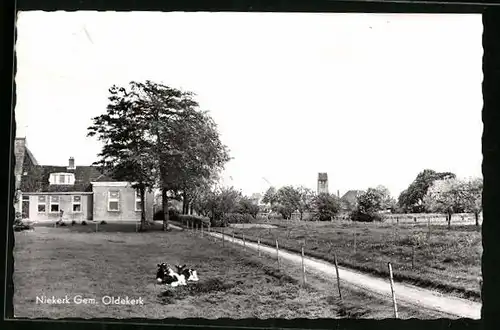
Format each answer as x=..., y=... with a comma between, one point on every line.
x=303, y=268
x=278, y=254
x=413, y=256
x=258, y=246
x=354, y=241
x=338, y=277
x=428, y=228
x=392, y=290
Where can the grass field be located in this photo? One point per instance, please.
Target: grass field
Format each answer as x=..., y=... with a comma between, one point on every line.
x=450, y=261
x=73, y=261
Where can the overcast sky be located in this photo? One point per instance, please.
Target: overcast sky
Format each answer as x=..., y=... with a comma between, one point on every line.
x=369, y=99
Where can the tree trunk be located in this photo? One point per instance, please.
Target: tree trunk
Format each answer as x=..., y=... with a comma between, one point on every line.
x=184, y=203
x=142, y=192
x=476, y=215
x=449, y=220
x=164, y=202
x=301, y=215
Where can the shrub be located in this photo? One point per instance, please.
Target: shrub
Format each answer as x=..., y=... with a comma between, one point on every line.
x=364, y=217
x=193, y=219
x=237, y=218
x=19, y=225
x=173, y=214
x=84, y=223
x=215, y=222
x=73, y=222
x=103, y=222
x=18, y=220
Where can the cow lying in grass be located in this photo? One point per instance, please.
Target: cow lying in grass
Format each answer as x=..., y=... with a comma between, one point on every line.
x=166, y=275
x=189, y=273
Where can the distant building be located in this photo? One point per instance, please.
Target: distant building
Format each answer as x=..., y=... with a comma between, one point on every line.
x=349, y=200
x=322, y=183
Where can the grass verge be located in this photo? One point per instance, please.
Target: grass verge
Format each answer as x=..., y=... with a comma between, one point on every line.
x=448, y=261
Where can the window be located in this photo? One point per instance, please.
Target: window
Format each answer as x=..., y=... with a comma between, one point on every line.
x=62, y=178
x=113, y=201
x=54, y=204
x=42, y=204
x=77, y=204
x=26, y=198
x=137, y=200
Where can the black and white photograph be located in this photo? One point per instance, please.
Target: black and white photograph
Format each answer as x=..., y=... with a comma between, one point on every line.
x=248, y=165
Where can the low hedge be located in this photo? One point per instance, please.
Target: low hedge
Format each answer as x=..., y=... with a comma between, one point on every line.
x=232, y=218
x=238, y=218
x=365, y=217
x=193, y=220
x=173, y=214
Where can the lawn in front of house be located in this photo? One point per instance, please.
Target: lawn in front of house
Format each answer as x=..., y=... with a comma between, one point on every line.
x=450, y=260
x=233, y=283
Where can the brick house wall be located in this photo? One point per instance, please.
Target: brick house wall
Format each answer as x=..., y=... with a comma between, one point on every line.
x=66, y=201
x=126, y=200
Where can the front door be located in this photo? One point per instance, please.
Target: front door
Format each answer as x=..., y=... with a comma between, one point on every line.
x=26, y=207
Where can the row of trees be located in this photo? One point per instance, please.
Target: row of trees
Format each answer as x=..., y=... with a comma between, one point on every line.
x=219, y=202
x=442, y=192
x=157, y=137
x=436, y=192
x=289, y=199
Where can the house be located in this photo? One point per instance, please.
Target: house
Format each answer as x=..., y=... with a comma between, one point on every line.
x=350, y=200
x=80, y=192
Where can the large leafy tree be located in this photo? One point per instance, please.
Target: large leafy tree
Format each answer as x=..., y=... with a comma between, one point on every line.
x=371, y=202
x=305, y=200
x=326, y=206
x=248, y=206
x=451, y=196
x=473, y=195
x=125, y=155
x=218, y=202
x=181, y=141
x=412, y=199
x=387, y=201
x=270, y=197
x=288, y=200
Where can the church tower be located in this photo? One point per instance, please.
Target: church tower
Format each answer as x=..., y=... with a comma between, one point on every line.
x=322, y=183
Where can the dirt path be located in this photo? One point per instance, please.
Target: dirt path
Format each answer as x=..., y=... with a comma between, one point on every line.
x=406, y=293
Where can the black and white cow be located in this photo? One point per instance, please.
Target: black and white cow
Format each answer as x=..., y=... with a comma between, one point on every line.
x=166, y=275
x=189, y=273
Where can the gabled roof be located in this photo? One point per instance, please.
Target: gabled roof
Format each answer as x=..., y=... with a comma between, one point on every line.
x=351, y=196
x=38, y=178
x=19, y=154
x=23, y=158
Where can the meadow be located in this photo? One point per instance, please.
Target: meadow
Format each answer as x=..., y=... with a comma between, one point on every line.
x=448, y=260
x=75, y=261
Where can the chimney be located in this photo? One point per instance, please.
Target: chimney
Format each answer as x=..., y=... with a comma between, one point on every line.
x=71, y=163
